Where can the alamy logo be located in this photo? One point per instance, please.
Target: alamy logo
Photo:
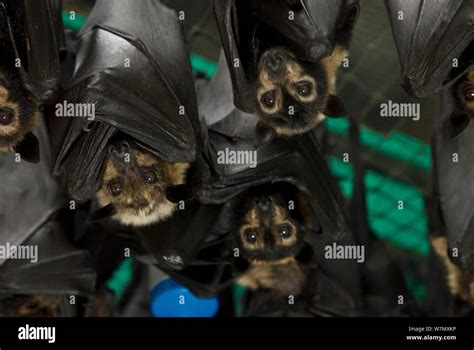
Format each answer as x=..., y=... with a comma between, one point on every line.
x=404, y=110
x=228, y=156
x=345, y=252
x=37, y=333
x=28, y=252
x=75, y=110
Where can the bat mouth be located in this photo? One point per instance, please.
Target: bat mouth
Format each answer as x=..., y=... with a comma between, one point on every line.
x=145, y=215
x=297, y=124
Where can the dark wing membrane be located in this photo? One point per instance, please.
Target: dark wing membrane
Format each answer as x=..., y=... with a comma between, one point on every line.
x=454, y=187
x=429, y=35
x=29, y=196
x=309, y=26
x=133, y=64
x=44, y=27
x=60, y=268
x=34, y=30
x=298, y=161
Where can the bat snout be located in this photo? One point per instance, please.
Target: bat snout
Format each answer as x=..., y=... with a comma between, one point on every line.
x=264, y=203
x=273, y=61
x=120, y=150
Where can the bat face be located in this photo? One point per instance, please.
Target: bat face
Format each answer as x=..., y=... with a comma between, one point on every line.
x=19, y=112
x=463, y=93
x=270, y=235
x=135, y=183
x=30, y=306
x=292, y=95
x=268, y=231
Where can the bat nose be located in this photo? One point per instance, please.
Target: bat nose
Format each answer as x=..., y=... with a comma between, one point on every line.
x=120, y=149
x=268, y=238
x=273, y=61
x=264, y=203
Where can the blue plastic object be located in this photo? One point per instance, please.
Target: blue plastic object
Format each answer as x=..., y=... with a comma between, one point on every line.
x=170, y=299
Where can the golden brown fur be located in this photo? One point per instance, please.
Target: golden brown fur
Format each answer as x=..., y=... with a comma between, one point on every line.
x=30, y=306
x=25, y=114
x=460, y=283
x=285, y=276
x=140, y=203
x=300, y=86
x=270, y=236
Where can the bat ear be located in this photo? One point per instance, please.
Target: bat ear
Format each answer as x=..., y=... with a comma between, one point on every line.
x=458, y=123
x=103, y=213
x=29, y=148
x=335, y=107
x=263, y=134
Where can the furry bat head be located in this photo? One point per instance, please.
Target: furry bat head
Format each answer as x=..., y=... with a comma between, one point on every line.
x=135, y=183
x=29, y=306
x=270, y=235
x=19, y=115
x=268, y=229
x=292, y=95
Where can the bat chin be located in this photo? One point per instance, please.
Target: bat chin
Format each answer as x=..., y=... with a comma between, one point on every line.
x=146, y=216
x=6, y=149
x=299, y=128
x=283, y=261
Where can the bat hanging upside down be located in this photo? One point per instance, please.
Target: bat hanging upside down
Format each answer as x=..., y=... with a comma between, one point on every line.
x=292, y=95
x=271, y=233
x=135, y=184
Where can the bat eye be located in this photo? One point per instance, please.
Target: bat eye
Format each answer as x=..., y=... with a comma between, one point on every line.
x=251, y=235
x=115, y=188
x=284, y=231
x=6, y=116
x=150, y=176
x=268, y=99
x=304, y=88
x=469, y=93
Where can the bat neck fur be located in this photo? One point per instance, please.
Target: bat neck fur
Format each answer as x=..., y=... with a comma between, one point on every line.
x=460, y=283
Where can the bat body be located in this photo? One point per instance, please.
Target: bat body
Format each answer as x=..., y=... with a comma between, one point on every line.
x=270, y=236
x=29, y=70
x=19, y=110
x=284, y=57
x=135, y=183
x=145, y=92
x=292, y=95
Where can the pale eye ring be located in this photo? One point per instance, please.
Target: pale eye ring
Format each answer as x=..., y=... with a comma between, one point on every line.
x=115, y=188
